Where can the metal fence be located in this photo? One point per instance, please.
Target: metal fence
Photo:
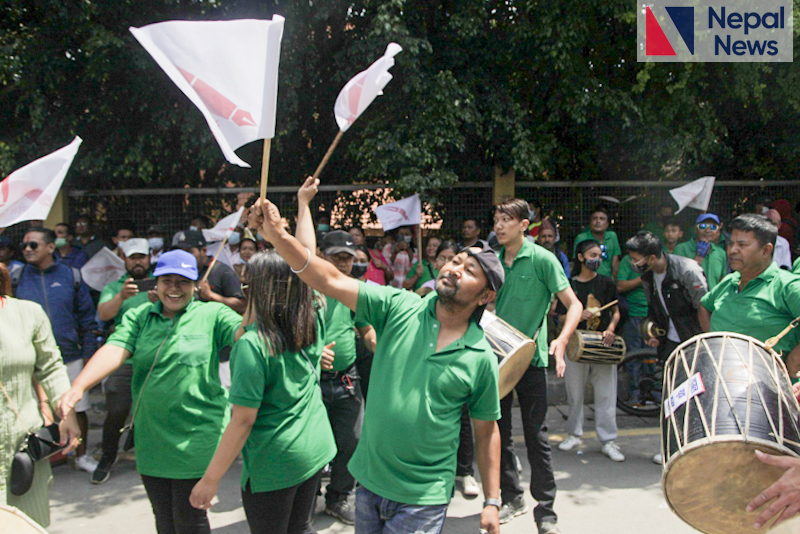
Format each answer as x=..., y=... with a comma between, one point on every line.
x=632, y=204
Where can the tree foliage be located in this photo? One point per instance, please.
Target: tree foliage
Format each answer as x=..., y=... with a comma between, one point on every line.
x=550, y=89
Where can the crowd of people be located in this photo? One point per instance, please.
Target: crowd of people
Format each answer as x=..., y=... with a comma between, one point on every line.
x=325, y=351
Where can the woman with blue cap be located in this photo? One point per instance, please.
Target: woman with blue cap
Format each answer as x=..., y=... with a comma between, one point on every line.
x=180, y=409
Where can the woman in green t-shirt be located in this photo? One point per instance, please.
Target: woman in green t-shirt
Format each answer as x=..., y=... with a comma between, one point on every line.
x=278, y=422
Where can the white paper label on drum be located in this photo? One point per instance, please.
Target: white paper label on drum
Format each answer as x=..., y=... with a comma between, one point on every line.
x=691, y=388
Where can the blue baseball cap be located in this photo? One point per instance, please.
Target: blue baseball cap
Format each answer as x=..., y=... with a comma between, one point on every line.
x=6, y=242
x=177, y=262
x=706, y=216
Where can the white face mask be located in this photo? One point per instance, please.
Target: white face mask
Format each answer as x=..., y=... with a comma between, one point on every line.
x=156, y=243
x=405, y=237
x=194, y=228
x=234, y=238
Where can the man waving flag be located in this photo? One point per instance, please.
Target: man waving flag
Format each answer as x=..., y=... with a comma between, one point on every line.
x=228, y=69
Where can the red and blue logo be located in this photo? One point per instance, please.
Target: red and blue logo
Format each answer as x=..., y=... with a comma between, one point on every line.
x=656, y=42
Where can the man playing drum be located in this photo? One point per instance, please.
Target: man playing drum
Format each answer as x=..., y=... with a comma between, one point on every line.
x=533, y=275
x=758, y=299
x=431, y=359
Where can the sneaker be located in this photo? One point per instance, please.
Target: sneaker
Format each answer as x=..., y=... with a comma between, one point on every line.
x=512, y=509
x=86, y=463
x=548, y=527
x=341, y=510
x=657, y=459
x=103, y=471
x=471, y=488
x=570, y=443
x=611, y=450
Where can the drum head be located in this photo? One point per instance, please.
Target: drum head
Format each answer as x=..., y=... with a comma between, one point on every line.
x=709, y=487
x=514, y=366
x=14, y=521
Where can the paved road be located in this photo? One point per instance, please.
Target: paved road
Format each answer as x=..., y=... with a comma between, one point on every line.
x=595, y=494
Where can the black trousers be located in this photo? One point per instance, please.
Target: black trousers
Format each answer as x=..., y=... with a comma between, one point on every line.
x=466, y=447
x=170, y=500
x=532, y=394
x=346, y=414
x=118, y=405
x=284, y=511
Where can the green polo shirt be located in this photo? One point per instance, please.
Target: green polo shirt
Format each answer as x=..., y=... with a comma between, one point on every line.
x=409, y=441
x=112, y=290
x=637, y=301
x=612, y=248
x=714, y=264
x=427, y=269
x=291, y=438
x=340, y=324
x=524, y=299
x=183, y=408
x=765, y=307
x=796, y=266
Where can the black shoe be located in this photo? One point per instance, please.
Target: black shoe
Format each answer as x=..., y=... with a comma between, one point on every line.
x=512, y=509
x=103, y=471
x=341, y=510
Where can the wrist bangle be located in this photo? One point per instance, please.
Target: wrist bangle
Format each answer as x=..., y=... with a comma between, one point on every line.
x=308, y=260
x=493, y=502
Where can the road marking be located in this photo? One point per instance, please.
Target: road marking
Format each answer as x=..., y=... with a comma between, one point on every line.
x=627, y=432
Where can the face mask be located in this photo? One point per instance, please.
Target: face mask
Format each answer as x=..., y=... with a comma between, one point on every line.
x=234, y=238
x=61, y=242
x=156, y=243
x=639, y=269
x=594, y=264
x=193, y=228
x=406, y=238
x=323, y=228
x=359, y=270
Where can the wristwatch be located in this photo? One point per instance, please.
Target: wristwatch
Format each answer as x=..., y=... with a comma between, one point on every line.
x=493, y=502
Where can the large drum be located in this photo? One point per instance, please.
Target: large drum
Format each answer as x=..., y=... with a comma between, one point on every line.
x=725, y=395
x=586, y=346
x=514, y=350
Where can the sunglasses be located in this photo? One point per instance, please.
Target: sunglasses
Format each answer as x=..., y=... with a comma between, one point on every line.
x=33, y=245
x=708, y=226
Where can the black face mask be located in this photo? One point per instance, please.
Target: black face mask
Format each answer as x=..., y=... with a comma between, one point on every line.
x=639, y=269
x=359, y=270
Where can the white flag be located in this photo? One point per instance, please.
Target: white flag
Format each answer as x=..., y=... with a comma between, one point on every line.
x=228, y=69
x=224, y=256
x=28, y=193
x=104, y=267
x=224, y=227
x=361, y=90
x=404, y=212
x=695, y=194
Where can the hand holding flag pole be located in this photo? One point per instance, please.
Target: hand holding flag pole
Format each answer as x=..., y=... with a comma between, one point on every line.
x=358, y=94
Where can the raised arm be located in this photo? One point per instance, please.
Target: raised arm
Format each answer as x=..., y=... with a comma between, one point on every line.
x=105, y=361
x=314, y=271
x=305, y=224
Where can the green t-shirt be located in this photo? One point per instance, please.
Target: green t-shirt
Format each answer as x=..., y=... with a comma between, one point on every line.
x=291, y=438
x=183, y=408
x=609, y=246
x=524, y=299
x=428, y=273
x=340, y=324
x=409, y=441
x=796, y=266
x=761, y=310
x=112, y=290
x=637, y=301
x=714, y=264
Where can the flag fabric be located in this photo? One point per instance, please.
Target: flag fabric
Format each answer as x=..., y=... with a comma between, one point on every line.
x=28, y=193
x=228, y=69
x=224, y=256
x=361, y=90
x=224, y=227
x=695, y=194
x=104, y=267
x=405, y=212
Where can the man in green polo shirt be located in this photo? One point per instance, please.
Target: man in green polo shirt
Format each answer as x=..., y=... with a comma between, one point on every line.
x=599, y=221
x=431, y=359
x=533, y=275
x=702, y=249
x=758, y=299
x=117, y=298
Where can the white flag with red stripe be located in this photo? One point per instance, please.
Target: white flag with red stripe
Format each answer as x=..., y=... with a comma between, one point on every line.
x=224, y=226
x=104, y=267
x=228, y=69
x=405, y=212
x=695, y=194
x=28, y=193
x=361, y=90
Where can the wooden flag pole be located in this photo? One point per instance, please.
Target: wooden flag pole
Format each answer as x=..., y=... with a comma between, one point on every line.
x=419, y=244
x=265, y=168
x=213, y=261
x=328, y=154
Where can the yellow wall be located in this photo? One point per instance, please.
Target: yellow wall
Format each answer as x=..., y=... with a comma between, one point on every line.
x=504, y=185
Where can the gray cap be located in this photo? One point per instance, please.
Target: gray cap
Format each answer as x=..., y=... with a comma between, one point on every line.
x=489, y=262
x=135, y=245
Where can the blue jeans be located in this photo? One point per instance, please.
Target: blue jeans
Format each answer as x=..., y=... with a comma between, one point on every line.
x=376, y=515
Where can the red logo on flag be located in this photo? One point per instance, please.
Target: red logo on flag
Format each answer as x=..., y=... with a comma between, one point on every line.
x=401, y=211
x=217, y=103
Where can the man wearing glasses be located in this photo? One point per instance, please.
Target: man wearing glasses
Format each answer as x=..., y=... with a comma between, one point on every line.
x=701, y=248
x=599, y=221
x=66, y=300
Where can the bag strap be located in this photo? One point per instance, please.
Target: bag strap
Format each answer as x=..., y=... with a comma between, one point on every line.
x=10, y=401
x=313, y=369
x=144, y=384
